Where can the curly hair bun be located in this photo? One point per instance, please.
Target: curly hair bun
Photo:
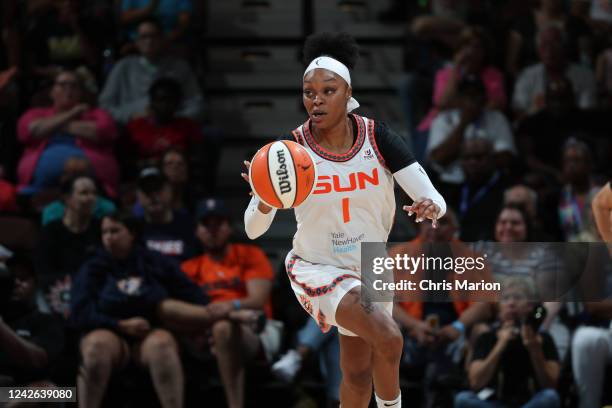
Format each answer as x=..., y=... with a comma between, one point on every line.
x=340, y=46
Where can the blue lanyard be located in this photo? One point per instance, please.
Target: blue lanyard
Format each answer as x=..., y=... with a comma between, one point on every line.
x=466, y=203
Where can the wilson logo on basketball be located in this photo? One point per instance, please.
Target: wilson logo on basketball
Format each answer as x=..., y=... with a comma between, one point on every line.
x=358, y=180
x=282, y=173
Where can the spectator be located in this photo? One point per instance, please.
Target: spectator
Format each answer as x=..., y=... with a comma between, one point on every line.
x=56, y=209
x=470, y=120
x=577, y=193
x=541, y=136
x=116, y=303
x=513, y=358
x=591, y=354
x=310, y=340
x=65, y=244
x=536, y=263
x=436, y=329
x=234, y=276
x=125, y=91
x=471, y=59
x=175, y=168
x=68, y=129
x=529, y=91
x=165, y=230
x=161, y=129
x=522, y=48
x=522, y=196
x=62, y=37
x=30, y=341
x=174, y=16
x=479, y=197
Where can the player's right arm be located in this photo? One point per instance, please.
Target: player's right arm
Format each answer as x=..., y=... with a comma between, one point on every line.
x=258, y=216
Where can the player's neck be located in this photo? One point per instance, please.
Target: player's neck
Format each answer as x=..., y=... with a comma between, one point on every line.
x=337, y=139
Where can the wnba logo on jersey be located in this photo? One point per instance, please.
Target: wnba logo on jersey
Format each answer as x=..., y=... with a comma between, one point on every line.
x=358, y=180
x=368, y=155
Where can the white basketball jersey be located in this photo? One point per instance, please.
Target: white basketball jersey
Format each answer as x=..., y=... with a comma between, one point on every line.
x=352, y=202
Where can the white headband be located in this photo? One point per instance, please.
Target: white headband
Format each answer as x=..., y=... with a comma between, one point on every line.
x=338, y=68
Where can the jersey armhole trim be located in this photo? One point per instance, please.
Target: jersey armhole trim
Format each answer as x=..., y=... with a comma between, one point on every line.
x=372, y=137
x=298, y=136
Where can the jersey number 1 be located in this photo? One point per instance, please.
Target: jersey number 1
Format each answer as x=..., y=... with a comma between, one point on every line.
x=346, y=215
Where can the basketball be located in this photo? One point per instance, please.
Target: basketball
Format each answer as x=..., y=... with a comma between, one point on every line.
x=282, y=174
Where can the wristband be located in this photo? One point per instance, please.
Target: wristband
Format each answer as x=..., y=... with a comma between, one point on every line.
x=459, y=326
x=236, y=303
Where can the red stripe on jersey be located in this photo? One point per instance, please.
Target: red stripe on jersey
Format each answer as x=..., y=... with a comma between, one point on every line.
x=320, y=151
x=372, y=138
x=319, y=291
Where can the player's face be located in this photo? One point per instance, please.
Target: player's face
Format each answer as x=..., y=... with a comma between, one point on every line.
x=83, y=196
x=116, y=238
x=510, y=226
x=325, y=95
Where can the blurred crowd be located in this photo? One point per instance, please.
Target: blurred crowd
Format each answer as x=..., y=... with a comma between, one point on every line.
x=119, y=260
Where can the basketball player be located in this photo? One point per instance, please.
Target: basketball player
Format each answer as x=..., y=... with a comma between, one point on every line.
x=357, y=159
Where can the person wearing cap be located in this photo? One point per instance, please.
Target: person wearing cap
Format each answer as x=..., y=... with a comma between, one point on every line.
x=164, y=230
x=470, y=120
x=235, y=277
x=324, y=265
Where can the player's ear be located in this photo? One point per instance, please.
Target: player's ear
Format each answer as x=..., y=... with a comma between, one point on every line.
x=349, y=92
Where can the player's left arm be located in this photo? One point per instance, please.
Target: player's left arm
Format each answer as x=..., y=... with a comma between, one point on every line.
x=411, y=177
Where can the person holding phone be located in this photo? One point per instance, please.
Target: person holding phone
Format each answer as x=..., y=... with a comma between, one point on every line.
x=513, y=364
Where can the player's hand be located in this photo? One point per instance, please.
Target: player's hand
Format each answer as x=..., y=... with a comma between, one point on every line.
x=424, y=208
x=245, y=175
x=135, y=327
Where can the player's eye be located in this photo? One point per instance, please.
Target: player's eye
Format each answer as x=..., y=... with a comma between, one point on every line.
x=329, y=91
x=307, y=93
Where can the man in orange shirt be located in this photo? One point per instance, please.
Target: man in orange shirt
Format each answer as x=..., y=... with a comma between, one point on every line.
x=436, y=323
x=235, y=277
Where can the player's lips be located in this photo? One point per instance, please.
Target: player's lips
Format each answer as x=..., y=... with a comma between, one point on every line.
x=317, y=116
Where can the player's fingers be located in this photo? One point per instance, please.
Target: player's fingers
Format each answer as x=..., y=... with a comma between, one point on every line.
x=408, y=209
x=429, y=212
x=423, y=204
x=424, y=210
x=247, y=164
